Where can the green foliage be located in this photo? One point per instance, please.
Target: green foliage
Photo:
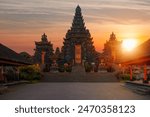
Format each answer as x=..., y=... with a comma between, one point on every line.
x=61, y=68
x=88, y=67
x=127, y=77
x=31, y=72
x=68, y=69
x=110, y=69
x=96, y=68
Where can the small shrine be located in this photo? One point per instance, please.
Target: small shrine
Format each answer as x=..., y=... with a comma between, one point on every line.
x=43, y=51
x=112, y=49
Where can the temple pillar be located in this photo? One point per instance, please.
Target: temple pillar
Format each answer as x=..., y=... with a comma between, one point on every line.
x=1, y=74
x=123, y=69
x=18, y=72
x=131, y=73
x=145, y=79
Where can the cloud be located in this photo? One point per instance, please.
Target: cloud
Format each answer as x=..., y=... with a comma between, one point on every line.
x=61, y=11
x=26, y=17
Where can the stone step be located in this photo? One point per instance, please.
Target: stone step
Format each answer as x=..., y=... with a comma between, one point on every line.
x=3, y=89
x=16, y=83
x=138, y=88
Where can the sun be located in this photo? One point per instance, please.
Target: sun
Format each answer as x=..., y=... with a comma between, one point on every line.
x=129, y=44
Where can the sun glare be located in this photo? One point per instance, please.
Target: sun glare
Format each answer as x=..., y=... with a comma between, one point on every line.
x=129, y=44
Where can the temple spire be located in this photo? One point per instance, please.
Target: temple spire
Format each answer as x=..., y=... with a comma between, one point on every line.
x=78, y=37
x=78, y=21
x=112, y=37
x=78, y=9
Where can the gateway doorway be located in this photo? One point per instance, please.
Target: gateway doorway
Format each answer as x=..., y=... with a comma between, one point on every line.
x=78, y=54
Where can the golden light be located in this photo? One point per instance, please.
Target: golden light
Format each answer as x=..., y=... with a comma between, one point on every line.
x=129, y=44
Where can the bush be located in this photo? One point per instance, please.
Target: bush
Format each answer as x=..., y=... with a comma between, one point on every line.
x=68, y=68
x=127, y=77
x=120, y=76
x=61, y=68
x=30, y=73
x=110, y=69
x=88, y=67
x=96, y=68
x=10, y=74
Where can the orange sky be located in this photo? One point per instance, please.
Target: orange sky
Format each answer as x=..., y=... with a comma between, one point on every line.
x=23, y=22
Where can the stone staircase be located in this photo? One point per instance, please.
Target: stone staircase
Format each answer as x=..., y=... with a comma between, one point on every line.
x=139, y=88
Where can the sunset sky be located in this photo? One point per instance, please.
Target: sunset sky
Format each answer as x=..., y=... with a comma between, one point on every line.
x=24, y=21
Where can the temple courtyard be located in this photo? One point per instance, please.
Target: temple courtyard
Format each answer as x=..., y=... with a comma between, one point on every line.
x=79, y=86
x=71, y=91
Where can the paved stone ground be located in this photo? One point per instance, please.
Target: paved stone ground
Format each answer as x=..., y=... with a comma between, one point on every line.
x=102, y=85
x=79, y=75
x=71, y=91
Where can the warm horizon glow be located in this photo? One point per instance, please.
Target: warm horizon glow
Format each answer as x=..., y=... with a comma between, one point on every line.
x=129, y=44
x=23, y=22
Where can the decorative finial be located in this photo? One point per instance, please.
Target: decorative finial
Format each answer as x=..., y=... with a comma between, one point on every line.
x=112, y=36
x=44, y=37
x=78, y=8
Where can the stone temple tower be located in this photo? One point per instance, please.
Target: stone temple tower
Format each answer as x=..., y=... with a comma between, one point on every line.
x=78, y=44
x=43, y=46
